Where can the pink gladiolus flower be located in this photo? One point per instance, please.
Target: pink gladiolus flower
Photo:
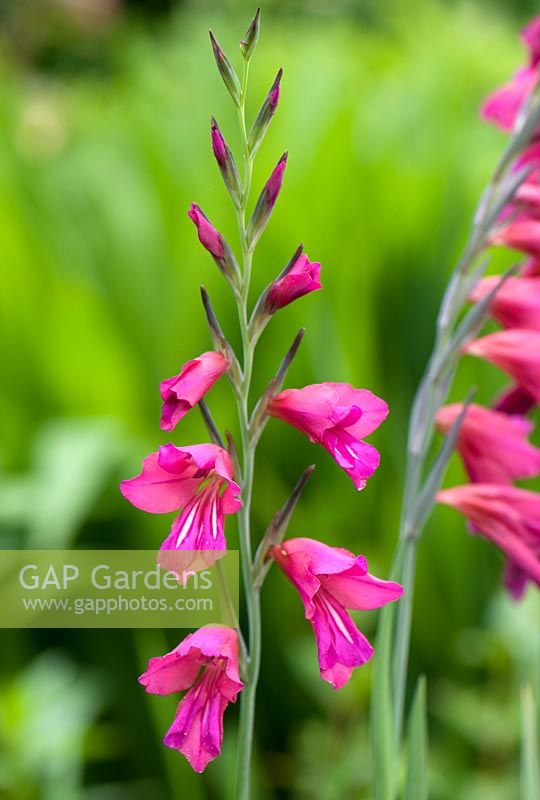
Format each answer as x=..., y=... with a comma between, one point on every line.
x=208, y=235
x=493, y=445
x=329, y=581
x=502, y=105
x=516, y=303
x=510, y=518
x=531, y=37
x=517, y=352
x=337, y=416
x=181, y=392
x=197, y=731
x=301, y=279
x=198, y=480
x=531, y=268
x=528, y=196
x=514, y=400
x=522, y=234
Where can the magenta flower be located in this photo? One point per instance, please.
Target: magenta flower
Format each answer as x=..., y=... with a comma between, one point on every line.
x=508, y=517
x=208, y=236
x=516, y=303
x=521, y=234
x=196, y=480
x=205, y=666
x=514, y=400
x=517, y=352
x=329, y=581
x=181, y=392
x=302, y=278
x=337, y=416
x=502, y=105
x=493, y=445
x=528, y=196
x=531, y=37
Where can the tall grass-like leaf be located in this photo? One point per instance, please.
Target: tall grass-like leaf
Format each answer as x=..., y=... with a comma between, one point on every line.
x=417, y=785
x=530, y=756
x=381, y=720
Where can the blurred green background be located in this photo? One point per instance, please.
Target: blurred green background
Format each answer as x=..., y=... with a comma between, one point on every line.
x=104, y=118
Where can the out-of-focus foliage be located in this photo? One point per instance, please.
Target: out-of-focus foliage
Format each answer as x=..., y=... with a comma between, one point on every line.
x=104, y=142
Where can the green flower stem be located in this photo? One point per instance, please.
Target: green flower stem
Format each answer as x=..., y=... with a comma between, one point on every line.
x=248, y=696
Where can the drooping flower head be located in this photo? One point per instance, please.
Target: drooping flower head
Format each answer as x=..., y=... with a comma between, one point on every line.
x=510, y=518
x=183, y=391
x=196, y=480
x=337, y=416
x=516, y=351
x=205, y=666
x=302, y=278
x=493, y=445
x=516, y=303
x=329, y=581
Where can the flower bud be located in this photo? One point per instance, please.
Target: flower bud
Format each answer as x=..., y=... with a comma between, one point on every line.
x=215, y=244
x=225, y=162
x=226, y=70
x=262, y=120
x=266, y=202
x=302, y=277
x=249, y=42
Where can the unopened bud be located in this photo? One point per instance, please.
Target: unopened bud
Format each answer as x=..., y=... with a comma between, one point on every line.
x=266, y=202
x=226, y=70
x=248, y=43
x=225, y=162
x=215, y=244
x=262, y=120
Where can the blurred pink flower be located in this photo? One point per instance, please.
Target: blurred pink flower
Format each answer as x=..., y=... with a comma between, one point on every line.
x=514, y=400
x=198, y=480
x=521, y=234
x=208, y=235
x=337, y=416
x=508, y=517
x=301, y=279
x=181, y=392
x=502, y=105
x=516, y=351
x=493, y=445
x=205, y=666
x=516, y=303
x=329, y=581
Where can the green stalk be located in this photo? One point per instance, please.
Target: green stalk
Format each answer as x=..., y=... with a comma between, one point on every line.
x=248, y=696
